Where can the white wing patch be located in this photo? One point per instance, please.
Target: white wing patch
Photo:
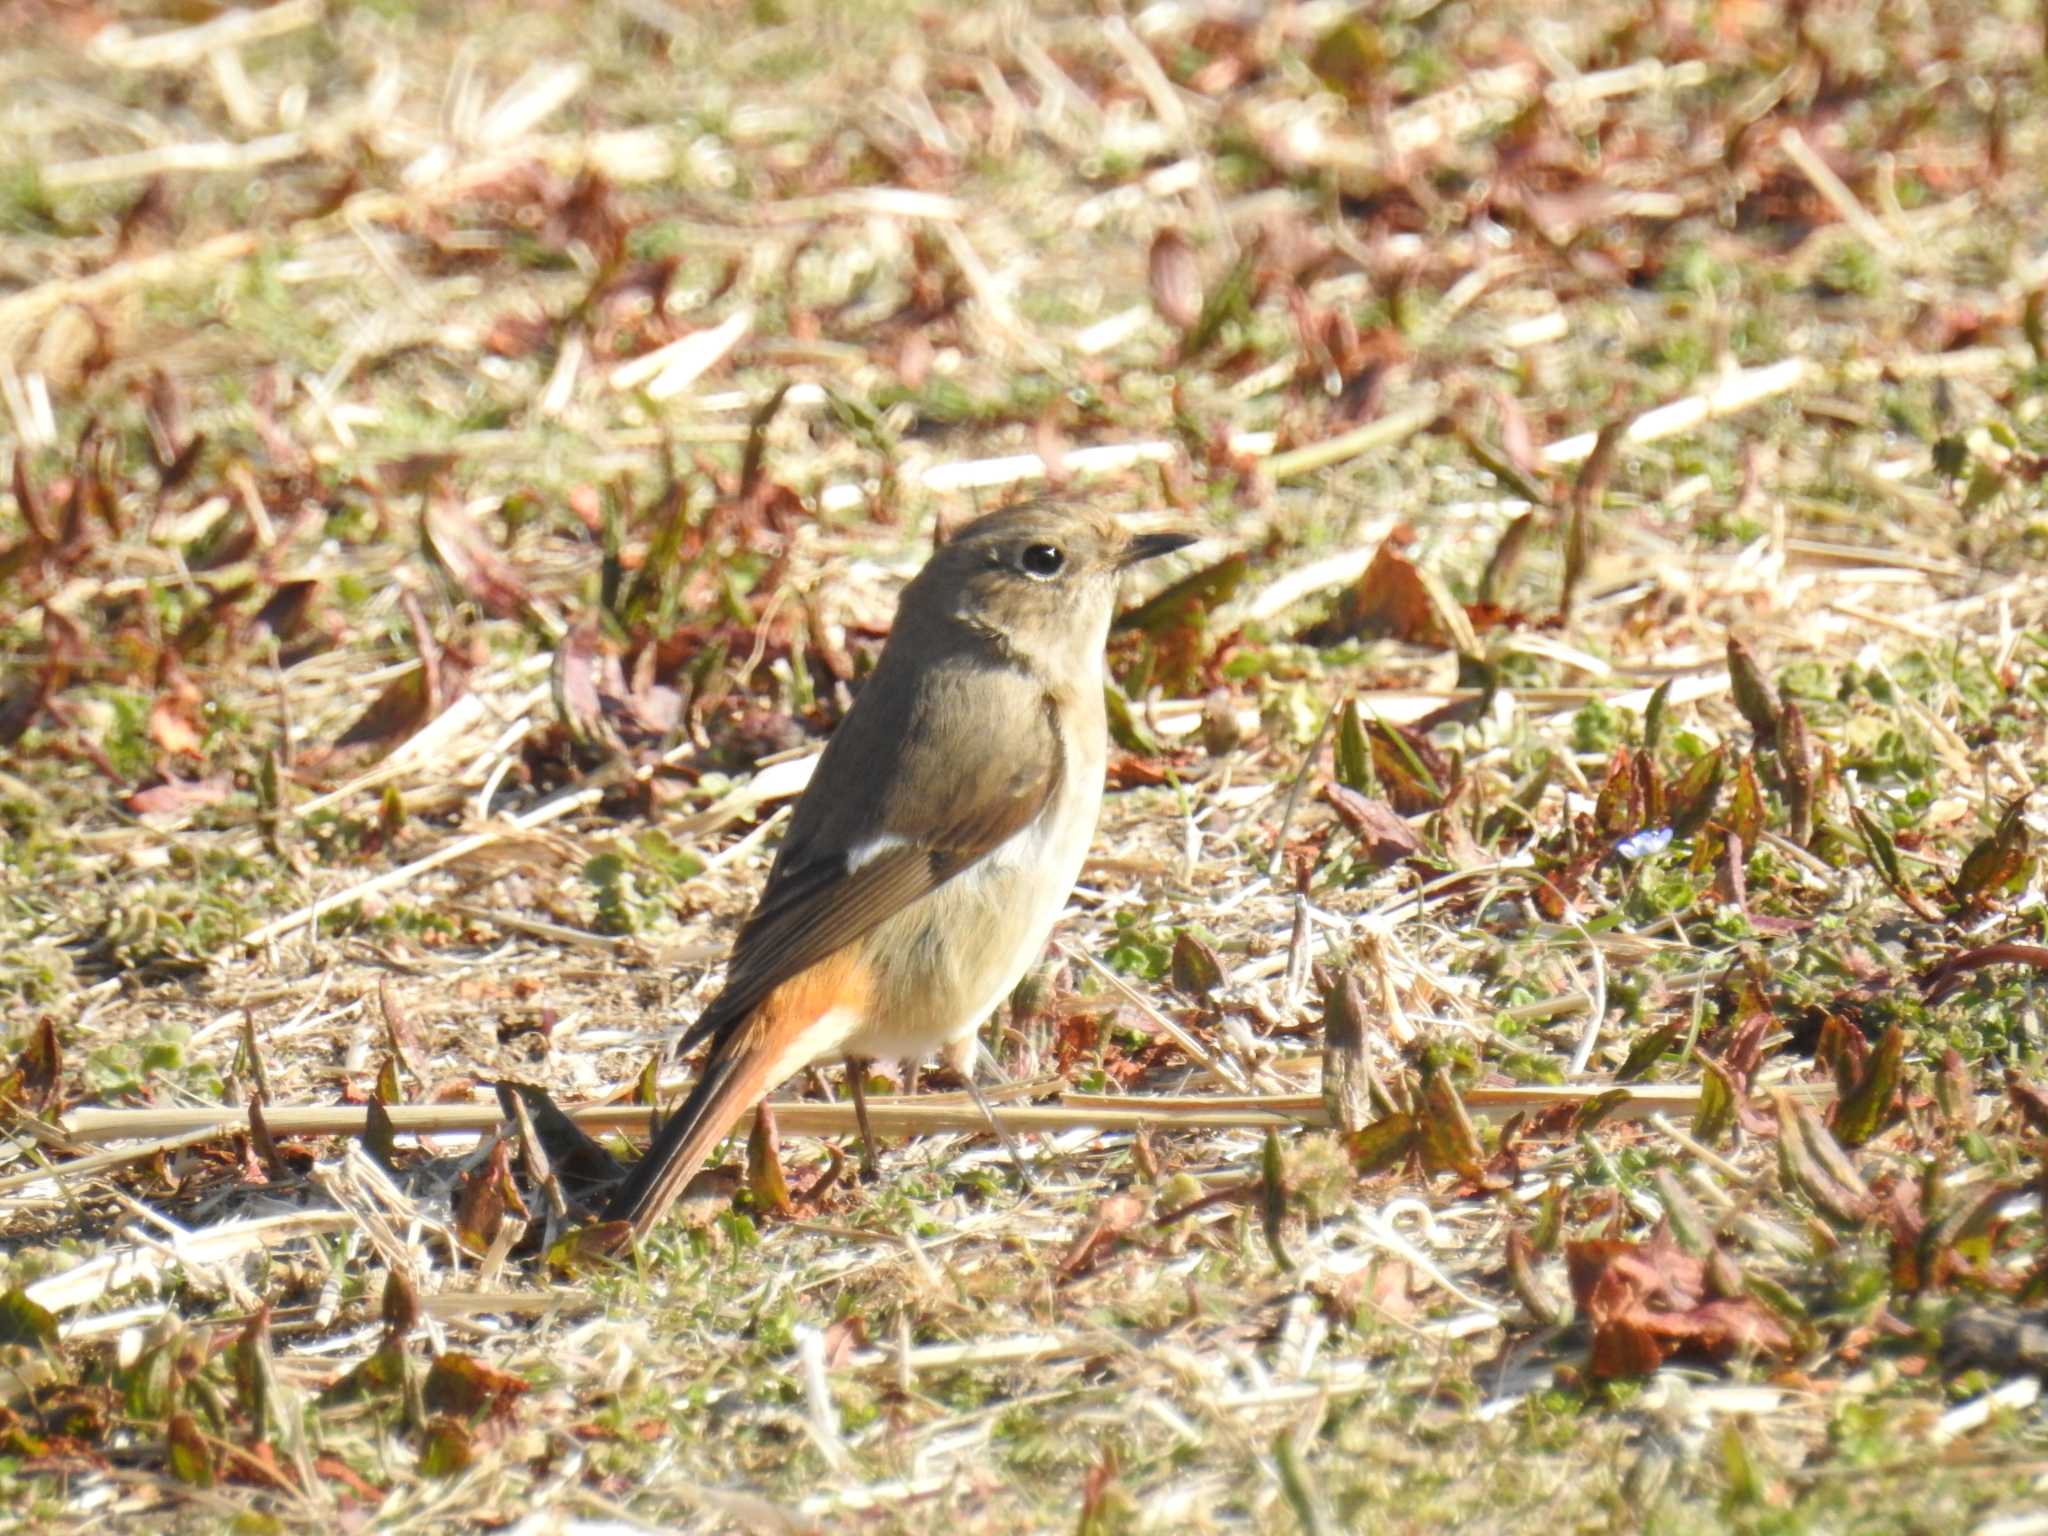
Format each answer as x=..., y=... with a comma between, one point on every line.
x=862, y=854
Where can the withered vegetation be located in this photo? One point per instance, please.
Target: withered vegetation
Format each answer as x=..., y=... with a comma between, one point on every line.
x=1552, y=1034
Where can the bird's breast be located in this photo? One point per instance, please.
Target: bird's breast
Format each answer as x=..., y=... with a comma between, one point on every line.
x=943, y=964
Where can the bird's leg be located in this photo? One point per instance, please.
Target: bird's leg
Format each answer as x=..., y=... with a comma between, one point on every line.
x=857, y=1081
x=964, y=1060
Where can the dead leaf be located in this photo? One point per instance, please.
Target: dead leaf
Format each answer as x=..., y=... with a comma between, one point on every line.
x=487, y=1194
x=174, y=726
x=176, y=797
x=1176, y=280
x=464, y=1387
x=1384, y=837
x=1646, y=1301
x=472, y=564
x=1390, y=600
x=1113, y=1217
x=1413, y=770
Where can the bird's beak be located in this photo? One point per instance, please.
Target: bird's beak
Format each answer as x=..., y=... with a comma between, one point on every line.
x=1149, y=546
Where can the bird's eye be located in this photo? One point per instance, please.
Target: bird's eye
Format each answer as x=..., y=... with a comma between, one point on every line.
x=1042, y=560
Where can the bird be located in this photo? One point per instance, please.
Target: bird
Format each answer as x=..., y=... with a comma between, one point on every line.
x=938, y=837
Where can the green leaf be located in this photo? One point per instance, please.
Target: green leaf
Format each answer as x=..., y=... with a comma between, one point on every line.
x=766, y=1182
x=1354, y=752
x=189, y=1456
x=1877, y=843
x=1654, y=717
x=1196, y=968
x=1273, y=1199
x=1754, y=697
x=1186, y=601
x=1746, y=809
x=1599, y=1107
x=380, y=1376
x=1716, y=1112
x=584, y=1248
x=1230, y=300
x=445, y=1449
x=1994, y=862
x=1648, y=1050
x=25, y=1324
x=1126, y=729
x=1351, y=58
x=1384, y=1144
x=1449, y=1141
x=1692, y=799
x=1688, y=1223
x=1861, y=1112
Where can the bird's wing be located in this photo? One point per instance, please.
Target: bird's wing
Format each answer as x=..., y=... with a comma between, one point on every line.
x=894, y=811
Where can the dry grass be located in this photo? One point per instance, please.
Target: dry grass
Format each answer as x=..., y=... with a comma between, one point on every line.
x=462, y=467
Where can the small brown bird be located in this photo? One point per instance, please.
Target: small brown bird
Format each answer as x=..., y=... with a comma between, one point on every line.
x=939, y=836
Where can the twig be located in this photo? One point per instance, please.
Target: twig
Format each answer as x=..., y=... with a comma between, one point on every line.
x=892, y=1114
x=118, y=46
x=1293, y=801
x=1596, y=1013
x=1733, y=392
x=1382, y=433
x=201, y=155
x=1836, y=191
x=549, y=810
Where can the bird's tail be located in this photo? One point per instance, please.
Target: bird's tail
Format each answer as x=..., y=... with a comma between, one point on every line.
x=731, y=1083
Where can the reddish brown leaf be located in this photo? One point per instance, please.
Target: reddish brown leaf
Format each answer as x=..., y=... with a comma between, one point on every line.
x=1113, y=1217
x=1384, y=836
x=1955, y=1090
x=1414, y=771
x=400, y=1307
x=1505, y=560
x=1691, y=797
x=1993, y=863
x=1945, y=978
x=1619, y=809
x=39, y=1069
x=470, y=561
x=1390, y=600
x=1645, y=1301
x=2028, y=1100
x=1196, y=968
x=765, y=1179
x=332, y=1466
x=1176, y=279
x=1347, y=1064
x=1522, y=1279
x=174, y=726
x=283, y=615
x=487, y=1194
x=464, y=1387
x=844, y=1336
x=175, y=797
